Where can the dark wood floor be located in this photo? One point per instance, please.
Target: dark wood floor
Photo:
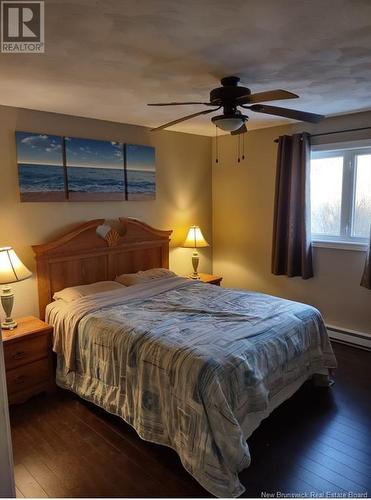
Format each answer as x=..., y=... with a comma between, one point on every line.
x=318, y=442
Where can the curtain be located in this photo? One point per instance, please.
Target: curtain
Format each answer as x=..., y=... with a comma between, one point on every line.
x=292, y=251
x=366, y=278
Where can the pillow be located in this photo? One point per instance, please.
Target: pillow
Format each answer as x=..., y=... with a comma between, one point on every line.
x=76, y=292
x=144, y=276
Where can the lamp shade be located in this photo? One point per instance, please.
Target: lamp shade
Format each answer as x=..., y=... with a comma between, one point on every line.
x=195, y=238
x=11, y=268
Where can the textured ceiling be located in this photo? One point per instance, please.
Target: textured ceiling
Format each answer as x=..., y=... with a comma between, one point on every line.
x=107, y=58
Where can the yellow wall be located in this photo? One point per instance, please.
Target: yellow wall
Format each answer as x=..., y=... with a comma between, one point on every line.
x=183, y=191
x=241, y=208
x=243, y=199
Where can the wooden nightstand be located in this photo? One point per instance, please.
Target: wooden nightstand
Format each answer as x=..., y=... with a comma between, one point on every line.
x=210, y=278
x=28, y=359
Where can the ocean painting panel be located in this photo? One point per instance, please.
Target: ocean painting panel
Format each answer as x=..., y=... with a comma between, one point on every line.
x=40, y=167
x=141, y=172
x=95, y=170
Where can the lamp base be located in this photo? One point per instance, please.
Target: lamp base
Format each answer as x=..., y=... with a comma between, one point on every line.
x=195, y=261
x=7, y=300
x=194, y=276
x=9, y=324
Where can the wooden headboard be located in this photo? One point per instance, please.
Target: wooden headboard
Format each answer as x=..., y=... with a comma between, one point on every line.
x=95, y=251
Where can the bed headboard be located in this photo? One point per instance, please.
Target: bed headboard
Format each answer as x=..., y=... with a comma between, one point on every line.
x=95, y=251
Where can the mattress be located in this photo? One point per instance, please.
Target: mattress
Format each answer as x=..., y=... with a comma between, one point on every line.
x=191, y=366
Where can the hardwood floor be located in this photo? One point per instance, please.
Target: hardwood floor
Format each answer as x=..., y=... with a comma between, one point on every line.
x=318, y=442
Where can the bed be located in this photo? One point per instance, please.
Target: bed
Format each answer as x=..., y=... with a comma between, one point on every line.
x=189, y=365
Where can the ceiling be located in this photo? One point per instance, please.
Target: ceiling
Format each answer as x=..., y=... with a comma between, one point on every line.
x=107, y=58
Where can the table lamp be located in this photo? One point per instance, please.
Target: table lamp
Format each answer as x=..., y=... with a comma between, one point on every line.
x=11, y=270
x=195, y=239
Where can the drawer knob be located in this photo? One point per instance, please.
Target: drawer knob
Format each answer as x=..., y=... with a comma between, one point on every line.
x=21, y=379
x=19, y=355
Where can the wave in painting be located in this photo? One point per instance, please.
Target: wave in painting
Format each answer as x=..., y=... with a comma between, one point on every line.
x=95, y=180
x=40, y=178
x=140, y=181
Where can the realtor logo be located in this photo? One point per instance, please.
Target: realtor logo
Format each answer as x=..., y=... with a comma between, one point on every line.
x=22, y=27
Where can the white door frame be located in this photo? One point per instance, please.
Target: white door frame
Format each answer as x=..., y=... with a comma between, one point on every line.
x=7, y=486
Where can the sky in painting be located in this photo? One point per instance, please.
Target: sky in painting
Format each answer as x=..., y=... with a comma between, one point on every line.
x=39, y=149
x=141, y=158
x=43, y=149
x=93, y=153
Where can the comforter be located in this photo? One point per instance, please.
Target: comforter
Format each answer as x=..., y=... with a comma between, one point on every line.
x=192, y=366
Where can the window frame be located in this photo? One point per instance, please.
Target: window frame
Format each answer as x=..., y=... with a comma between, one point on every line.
x=349, y=151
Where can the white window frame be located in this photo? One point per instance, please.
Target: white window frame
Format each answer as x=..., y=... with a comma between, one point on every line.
x=349, y=151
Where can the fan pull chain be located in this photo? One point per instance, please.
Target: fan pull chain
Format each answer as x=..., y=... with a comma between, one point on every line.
x=238, y=148
x=243, y=146
x=216, y=145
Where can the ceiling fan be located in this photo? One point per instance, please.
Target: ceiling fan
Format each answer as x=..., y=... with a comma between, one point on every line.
x=230, y=96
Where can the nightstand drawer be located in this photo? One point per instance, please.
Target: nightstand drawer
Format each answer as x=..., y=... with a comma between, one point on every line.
x=25, y=351
x=25, y=377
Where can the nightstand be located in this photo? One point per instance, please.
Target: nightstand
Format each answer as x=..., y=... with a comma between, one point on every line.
x=210, y=278
x=28, y=359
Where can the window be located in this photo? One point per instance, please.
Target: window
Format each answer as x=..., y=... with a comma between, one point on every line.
x=340, y=183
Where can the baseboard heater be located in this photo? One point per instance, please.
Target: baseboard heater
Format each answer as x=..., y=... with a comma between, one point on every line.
x=350, y=337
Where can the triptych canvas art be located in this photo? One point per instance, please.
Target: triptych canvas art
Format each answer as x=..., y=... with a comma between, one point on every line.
x=55, y=168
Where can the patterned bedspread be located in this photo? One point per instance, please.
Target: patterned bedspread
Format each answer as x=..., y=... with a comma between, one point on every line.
x=193, y=366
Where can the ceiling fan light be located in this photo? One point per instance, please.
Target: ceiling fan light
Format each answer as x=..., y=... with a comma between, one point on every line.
x=228, y=123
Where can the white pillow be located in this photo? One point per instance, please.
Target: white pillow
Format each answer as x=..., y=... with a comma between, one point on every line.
x=76, y=292
x=144, y=276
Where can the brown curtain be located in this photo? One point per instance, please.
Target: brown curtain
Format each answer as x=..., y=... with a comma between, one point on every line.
x=292, y=251
x=366, y=278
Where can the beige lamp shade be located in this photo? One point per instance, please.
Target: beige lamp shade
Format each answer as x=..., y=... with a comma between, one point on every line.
x=11, y=268
x=195, y=238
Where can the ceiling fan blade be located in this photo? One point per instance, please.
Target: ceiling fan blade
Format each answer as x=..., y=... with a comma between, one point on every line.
x=240, y=130
x=178, y=103
x=287, y=113
x=269, y=95
x=188, y=117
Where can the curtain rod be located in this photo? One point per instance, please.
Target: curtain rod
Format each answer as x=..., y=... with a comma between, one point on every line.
x=337, y=132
